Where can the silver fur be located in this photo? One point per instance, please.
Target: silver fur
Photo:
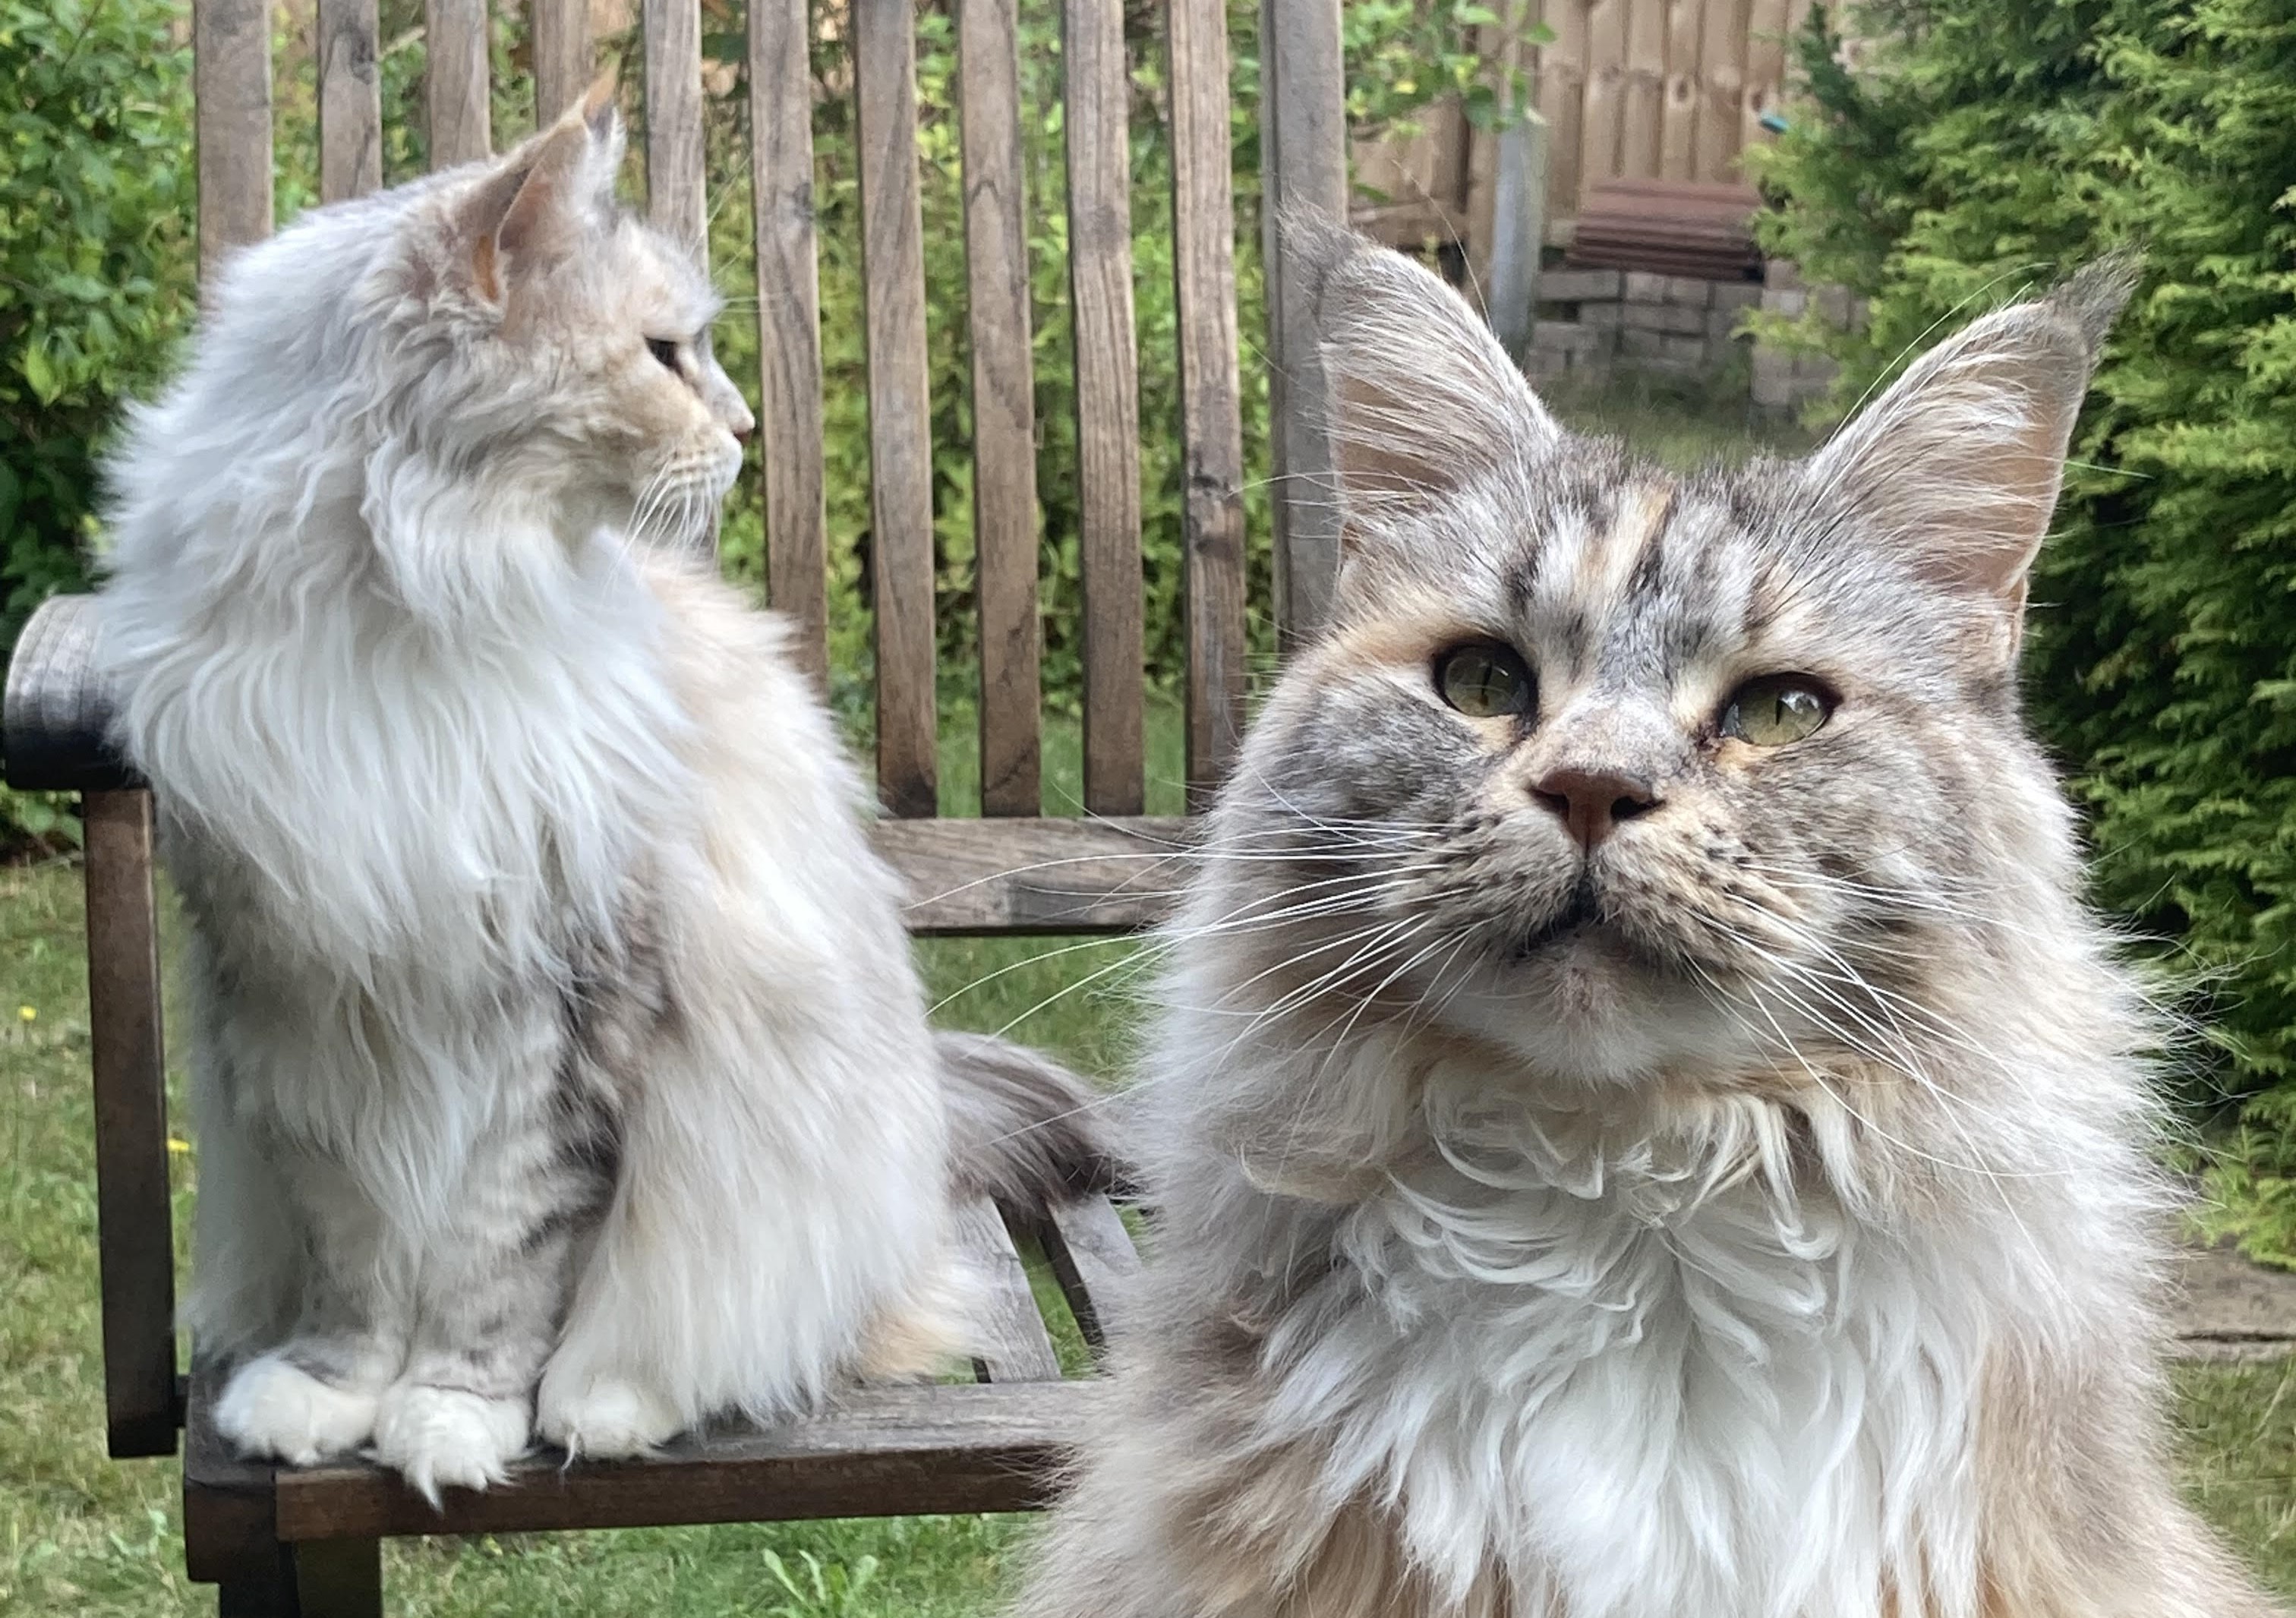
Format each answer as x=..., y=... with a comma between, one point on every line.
x=560, y=1066
x=1749, y=1214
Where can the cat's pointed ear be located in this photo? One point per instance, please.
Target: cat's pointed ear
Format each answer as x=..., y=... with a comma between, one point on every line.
x=544, y=198
x=1423, y=397
x=1961, y=461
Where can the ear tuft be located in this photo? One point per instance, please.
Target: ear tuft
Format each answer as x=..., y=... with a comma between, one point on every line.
x=541, y=200
x=1422, y=395
x=1960, y=463
x=597, y=109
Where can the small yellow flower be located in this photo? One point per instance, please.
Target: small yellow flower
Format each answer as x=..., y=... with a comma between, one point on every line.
x=179, y=1145
x=26, y=1014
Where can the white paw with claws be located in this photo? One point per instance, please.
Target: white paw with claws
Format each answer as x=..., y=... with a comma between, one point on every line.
x=448, y=1437
x=604, y=1417
x=276, y=1409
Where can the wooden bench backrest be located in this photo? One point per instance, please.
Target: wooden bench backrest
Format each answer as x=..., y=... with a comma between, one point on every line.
x=959, y=870
x=1304, y=138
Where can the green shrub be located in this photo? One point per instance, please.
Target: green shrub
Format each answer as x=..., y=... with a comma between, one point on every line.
x=1982, y=146
x=95, y=248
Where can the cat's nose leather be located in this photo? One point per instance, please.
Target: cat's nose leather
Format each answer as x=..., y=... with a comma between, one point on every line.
x=1591, y=802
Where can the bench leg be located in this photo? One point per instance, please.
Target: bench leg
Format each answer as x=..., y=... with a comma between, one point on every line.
x=322, y=1579
x=339, y=1578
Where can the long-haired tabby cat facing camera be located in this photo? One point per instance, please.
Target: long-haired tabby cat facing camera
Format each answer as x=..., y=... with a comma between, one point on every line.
x=1642, y=1122
x=559, y=1062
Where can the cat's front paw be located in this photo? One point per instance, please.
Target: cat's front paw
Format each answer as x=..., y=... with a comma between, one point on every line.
x=275, y=1409
x=450, y=1438
x=604, y=1417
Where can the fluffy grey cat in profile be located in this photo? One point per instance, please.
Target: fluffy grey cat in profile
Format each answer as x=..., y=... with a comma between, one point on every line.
x=559, y=1062
x=1642, y=1123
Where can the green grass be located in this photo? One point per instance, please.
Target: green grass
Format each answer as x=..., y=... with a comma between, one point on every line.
x=82, y=1534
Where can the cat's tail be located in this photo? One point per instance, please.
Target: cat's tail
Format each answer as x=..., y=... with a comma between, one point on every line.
x=1023, y=1130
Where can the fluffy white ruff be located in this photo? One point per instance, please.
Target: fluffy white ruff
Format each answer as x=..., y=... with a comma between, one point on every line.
x=1648, y=1381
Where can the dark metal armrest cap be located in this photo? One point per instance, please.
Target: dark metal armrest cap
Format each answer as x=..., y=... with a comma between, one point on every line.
x=57, y=709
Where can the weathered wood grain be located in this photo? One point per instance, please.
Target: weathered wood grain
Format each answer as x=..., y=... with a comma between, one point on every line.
x=789, y=325
x=1643, y=87
x=135, y=1252
x=1721, y=84
x=231, y=80
x=1562, y=82
x=1003, y=407
x=1012, y=1344
x=350, y=101
x=562, y=60
x=1303, y=164
x=1097, y=96
x=880, y=1452
x=1203, y=259
x=454, y=82
x=1768, y=24
x=1051, y=876
x=1678, y=111
x=900, y=403
x=57, y=704
x=1602, y=108
x=1093, y=1258
x=675, y=161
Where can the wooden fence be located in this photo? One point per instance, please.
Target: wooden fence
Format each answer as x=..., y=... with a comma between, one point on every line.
x=1629, y=89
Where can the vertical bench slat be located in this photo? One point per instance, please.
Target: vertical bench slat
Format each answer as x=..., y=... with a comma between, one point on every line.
x=560, y=41
x=454, y=86
x=788, y=324
x=1098, y=97
x=675, y=203
x=134, y=1250
x=1303, y=163
x=231, y=78
x=350, y=101
x=900, y=402
x=1204, y=259
x=1003, y=407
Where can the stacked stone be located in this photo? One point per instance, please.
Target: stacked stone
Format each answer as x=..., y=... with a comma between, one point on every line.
x=1592, y=322
x=1782, y=379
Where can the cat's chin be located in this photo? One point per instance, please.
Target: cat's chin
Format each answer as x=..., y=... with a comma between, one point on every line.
x=1585, y=1008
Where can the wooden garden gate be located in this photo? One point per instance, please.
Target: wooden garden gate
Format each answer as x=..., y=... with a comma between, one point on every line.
x=287, y=1540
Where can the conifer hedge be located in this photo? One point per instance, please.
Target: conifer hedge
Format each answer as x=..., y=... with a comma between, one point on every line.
x=1979, y=148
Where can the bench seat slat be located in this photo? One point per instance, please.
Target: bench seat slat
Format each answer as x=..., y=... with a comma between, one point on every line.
x=1014, y=1346
x=1093, y=1258
x=878, y=1451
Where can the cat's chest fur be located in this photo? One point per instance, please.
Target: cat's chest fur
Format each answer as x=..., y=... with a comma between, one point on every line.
x=463, y=813
x=1627, y=1408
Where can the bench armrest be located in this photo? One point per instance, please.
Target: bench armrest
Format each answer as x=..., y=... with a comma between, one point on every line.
x=57, y=709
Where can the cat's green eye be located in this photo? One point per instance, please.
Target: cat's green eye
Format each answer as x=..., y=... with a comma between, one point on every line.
x=1484, y=681
x=1776, y=710
x=664, y=350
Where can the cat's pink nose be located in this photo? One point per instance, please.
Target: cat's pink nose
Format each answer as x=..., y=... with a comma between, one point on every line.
x=1591, y=802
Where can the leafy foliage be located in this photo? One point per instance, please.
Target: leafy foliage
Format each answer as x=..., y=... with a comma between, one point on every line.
x=95, y=244
x=1982, y=146
x=95, y=251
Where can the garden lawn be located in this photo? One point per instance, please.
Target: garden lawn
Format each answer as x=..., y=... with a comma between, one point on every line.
x=80, y=1534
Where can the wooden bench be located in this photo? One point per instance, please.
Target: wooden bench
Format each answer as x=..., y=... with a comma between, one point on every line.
x=283, y=1540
